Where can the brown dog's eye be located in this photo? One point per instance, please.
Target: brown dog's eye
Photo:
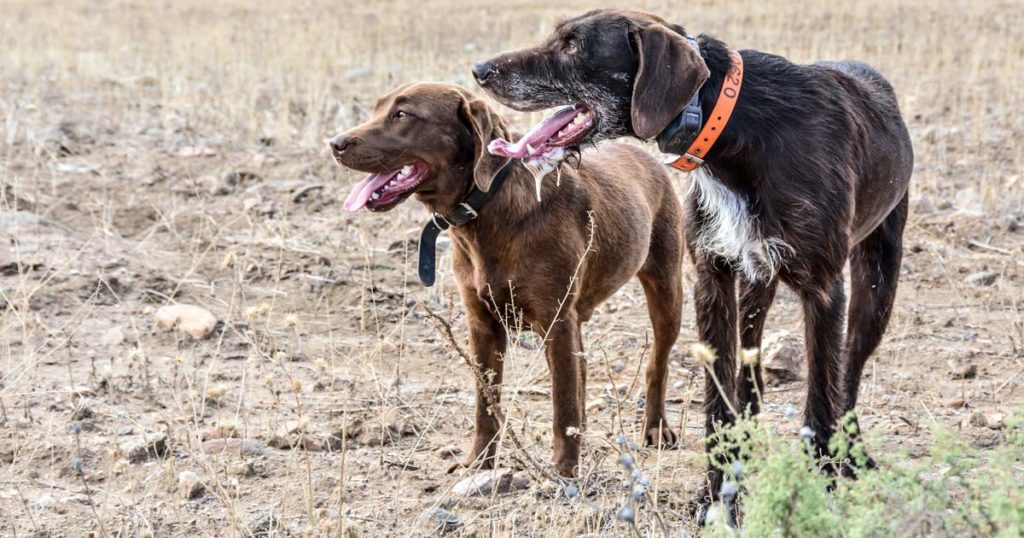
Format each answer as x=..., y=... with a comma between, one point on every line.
x=399, y=114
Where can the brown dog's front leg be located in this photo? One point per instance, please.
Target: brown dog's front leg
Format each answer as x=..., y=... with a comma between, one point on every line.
x=562, y=349
x=487, y=342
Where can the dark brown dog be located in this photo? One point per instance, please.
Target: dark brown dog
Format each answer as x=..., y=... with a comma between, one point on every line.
x=521, y=257
x=810, y=173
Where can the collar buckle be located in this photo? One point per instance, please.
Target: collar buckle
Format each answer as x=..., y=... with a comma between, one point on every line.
x=469, y=210
x=447, y=223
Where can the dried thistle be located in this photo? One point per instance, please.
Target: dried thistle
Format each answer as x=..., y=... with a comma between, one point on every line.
x=703, y=354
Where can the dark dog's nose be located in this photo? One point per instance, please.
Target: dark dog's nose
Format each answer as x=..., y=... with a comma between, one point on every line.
x=340, y=143
x=481, y=71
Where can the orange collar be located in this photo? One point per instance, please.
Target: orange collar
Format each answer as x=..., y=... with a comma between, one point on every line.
x=717, y=120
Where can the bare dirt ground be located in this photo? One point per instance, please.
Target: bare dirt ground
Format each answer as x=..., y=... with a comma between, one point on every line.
x=171, y=153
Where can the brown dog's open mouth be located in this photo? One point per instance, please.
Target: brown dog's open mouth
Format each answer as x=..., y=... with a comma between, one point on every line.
x=379, y=191
x=565, y=128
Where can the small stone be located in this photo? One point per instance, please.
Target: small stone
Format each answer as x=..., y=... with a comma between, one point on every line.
x=113, y=337
x=618, y=366
x=244, y=469
x=442, y=520
x=190, y=319
x=923, y=205
x=448, y=452
x=995, y=421
x=782, y=358
x=244, y=447
x=969, y=371
x=144, y=447
x=190, y=485
x=977, y=419
x=983, y=278
x=487, y=482
x=956, y=403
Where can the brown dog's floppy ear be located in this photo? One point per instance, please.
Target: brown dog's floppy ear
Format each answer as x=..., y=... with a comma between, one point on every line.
x=670, y=73
x=485, y=126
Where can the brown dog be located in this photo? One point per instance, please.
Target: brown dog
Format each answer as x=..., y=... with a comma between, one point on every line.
x=809, y=172
x=521, y=257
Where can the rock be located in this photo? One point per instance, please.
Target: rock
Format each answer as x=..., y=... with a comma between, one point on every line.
x=190, y=485
x=448, y=452
x=487, y=482
x=193, y=320
x=782, y=358
x=442, y=521
x=144, y=447
x=244, y=469
x=618, y=366
x=113, y=337
x=244, y=447
x=983, y=278
x=923, y=206
x=977, y=419
x=377, y=430
x=295, y=434
x=956, y=403
x=969, y=371
x=995, y=420
x=264, y=524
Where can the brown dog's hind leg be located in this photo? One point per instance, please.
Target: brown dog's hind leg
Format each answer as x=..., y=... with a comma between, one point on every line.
x=663, y=288
x=874, y=274
x=487, y=343
x=755, y=300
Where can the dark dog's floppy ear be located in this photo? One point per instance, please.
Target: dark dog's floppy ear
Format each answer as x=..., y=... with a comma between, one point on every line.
x=670, y=73
x=485, y=126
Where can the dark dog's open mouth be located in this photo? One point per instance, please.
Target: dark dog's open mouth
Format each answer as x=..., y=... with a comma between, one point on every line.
x=385, y=190
x=568, y=127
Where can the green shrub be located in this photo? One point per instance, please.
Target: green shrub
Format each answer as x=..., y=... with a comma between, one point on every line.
x=955, y=490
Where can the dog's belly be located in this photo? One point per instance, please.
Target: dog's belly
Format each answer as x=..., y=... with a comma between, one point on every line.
x=728, y=230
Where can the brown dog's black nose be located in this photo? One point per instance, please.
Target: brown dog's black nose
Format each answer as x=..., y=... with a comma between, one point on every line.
x=481, y=71
x=340, y=143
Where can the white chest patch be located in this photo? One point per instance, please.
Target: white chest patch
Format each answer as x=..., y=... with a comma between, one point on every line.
x=730, y=231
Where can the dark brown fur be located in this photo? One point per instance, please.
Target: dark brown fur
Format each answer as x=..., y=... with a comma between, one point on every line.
x=520, y=256
x=818, y=153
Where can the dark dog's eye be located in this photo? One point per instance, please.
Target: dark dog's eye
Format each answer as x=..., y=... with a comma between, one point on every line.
x=399, y=114
x=570, y=47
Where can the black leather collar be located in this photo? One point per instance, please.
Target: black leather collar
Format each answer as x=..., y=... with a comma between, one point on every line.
x=683, y=130
x=466, y=211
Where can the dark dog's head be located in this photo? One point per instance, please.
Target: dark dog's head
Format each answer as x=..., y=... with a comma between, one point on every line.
x=625, y=73
x=427, y=139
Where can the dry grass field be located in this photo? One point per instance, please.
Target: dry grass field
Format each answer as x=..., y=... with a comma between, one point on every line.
x=167, y=152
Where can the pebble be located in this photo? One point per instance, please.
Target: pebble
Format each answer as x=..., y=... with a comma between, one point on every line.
x=486, y=482
x=782, y=358
x=983, y=278
x=190, y=485
x=190, y=319
x=144, y=447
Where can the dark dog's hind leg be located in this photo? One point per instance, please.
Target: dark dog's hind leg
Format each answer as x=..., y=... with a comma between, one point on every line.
x=874, y=274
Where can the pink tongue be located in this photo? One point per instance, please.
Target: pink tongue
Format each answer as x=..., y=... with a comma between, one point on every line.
x=363, y=190
x=536, y=137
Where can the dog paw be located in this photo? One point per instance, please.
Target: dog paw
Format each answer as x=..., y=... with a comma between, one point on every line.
x=661, y=436
x=709, y=512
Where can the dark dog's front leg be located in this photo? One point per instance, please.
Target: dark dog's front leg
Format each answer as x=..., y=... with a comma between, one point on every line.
x=755, y=299
x=487, y=342
x=563, y=354
x=715, y=302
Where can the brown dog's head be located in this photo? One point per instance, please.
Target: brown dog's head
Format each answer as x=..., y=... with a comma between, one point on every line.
x=427, y=139
x=626, y=73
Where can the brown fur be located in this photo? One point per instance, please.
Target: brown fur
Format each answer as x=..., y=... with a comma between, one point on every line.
x=520, y=256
